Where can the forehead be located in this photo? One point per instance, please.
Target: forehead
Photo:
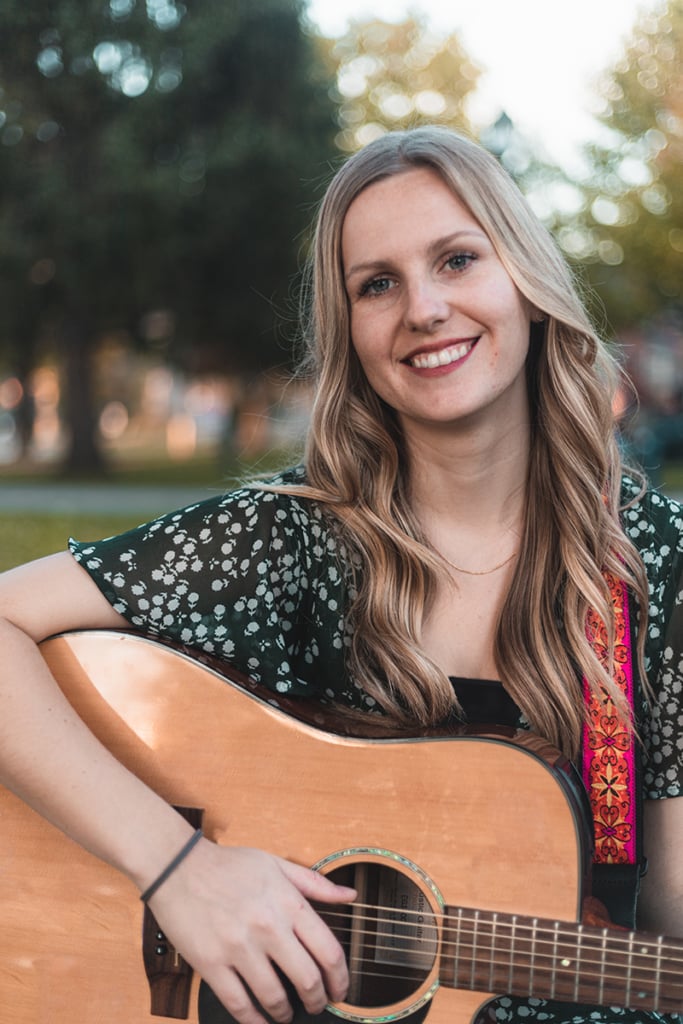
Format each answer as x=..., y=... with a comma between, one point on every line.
x=405, y=207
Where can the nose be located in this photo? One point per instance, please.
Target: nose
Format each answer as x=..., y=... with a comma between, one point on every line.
x=426, y=308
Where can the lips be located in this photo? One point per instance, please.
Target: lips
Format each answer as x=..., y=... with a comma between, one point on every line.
x=442, y=356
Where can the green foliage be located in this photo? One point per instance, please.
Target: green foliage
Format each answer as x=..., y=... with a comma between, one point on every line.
x=396, y=76
x=154, y=157
x=631, y=234
x=399, y=75
x=241, y=159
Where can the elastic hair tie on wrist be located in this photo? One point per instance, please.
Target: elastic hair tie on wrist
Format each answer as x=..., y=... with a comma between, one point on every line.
x=170, y=868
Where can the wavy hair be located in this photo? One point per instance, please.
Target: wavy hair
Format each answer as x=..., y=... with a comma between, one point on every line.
x=357, y=465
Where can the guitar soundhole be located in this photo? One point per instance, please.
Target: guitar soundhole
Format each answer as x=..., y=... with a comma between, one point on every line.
x=389, y=934
x=390, y=938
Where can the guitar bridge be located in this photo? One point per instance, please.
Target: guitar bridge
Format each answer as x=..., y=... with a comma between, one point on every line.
x=168, y=975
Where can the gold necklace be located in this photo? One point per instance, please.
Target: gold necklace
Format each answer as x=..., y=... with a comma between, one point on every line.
x=479, y=572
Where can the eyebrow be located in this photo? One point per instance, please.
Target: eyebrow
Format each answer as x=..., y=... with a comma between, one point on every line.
x=438, y=243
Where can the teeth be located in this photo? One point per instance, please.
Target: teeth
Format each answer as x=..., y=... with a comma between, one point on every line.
x=430, y=360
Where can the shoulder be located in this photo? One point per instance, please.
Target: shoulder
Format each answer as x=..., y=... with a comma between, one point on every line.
x=287, y=499
x=262, y=514
x=653, y=522
x=255, y=504
x=286, y=490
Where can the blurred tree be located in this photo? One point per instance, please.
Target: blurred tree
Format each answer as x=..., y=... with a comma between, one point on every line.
x=547, y=186
x=397, y=76
x=631, y=232
x=156, y=170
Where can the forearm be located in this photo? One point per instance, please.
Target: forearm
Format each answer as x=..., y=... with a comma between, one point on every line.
x=231, y=913
x=50, y=759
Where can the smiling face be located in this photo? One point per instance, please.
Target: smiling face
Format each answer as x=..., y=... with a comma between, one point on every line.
x=439, y=327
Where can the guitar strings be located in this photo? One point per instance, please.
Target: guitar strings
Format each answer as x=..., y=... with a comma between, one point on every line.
x=529, y=933
x=468, y=973
x=547, y=973
x=566, y=929
x=552, y=989
x=490, y=967
x=549, y=988
x=468, y=952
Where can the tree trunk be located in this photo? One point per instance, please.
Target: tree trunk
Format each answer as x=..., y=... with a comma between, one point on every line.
x=84, y=455
x=25, y=412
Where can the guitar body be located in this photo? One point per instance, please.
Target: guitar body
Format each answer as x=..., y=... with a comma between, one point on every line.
x=475, y=821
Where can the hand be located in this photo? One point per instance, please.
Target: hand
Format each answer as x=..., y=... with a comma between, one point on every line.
x=235, y=914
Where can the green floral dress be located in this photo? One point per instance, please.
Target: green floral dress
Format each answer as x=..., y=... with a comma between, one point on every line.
x=260, y=579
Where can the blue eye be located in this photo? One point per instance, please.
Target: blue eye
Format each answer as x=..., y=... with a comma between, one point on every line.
x=460, y=260
x=376, y=286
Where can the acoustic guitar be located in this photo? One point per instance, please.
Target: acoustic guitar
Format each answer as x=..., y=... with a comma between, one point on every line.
x=470, y=853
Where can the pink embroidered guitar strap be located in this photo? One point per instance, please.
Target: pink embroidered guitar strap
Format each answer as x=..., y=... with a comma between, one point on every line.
x=609, y=754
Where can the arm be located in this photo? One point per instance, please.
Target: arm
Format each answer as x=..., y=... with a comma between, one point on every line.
x=660, y=906
x=231, y=913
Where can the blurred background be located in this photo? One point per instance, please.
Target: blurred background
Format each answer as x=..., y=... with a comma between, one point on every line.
x=160, y=164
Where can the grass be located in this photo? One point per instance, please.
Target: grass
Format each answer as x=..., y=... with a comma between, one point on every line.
x=34, y=535
x=25, y=536
x=29, y=536
x=200, y=470
x=672, y=478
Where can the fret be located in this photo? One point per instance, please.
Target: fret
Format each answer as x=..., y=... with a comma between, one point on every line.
x=547, y=962
x=532, y=954
x=487, y=951
x=658, y=969
x=493, y=952
x=553, y=983
x=473, y=965
x=513, y=936
x=579, y=937
x=629, y=970
x=642, y=983
x=603, y=966
x=458, y=947
x=595, y=983
x=566, y=962
x=521, y=955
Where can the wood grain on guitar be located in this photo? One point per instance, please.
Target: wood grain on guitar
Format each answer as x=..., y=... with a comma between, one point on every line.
x=471, y=854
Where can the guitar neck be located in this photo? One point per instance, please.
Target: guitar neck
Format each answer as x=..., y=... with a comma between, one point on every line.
x=484, y=951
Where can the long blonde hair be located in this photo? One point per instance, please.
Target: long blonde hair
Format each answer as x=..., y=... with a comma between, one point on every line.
x=357, y=465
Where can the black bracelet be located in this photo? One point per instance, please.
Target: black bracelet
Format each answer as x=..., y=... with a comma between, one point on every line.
x=170, y=868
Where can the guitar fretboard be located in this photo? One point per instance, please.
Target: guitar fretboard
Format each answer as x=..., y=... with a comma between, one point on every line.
x=559, y=960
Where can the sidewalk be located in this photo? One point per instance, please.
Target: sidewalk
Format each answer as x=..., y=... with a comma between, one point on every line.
x=98, y=499
x=105, y=498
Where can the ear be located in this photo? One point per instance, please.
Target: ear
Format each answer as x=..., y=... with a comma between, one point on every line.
x=537, y=317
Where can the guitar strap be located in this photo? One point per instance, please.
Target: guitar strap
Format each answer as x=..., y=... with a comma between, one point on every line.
x=611, y=767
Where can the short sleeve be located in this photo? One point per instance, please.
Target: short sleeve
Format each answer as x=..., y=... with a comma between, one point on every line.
x=655, y=525
x=252, y=578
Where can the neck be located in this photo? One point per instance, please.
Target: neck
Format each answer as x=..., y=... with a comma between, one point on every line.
x=474, y=482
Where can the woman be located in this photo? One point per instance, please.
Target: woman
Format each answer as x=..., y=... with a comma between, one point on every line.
x=458, y=515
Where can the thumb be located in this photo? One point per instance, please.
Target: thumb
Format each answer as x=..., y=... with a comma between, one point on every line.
x=315, y=886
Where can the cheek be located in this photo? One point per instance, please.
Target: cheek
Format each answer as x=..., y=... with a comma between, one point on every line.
x=513, y=322
x=366, y=337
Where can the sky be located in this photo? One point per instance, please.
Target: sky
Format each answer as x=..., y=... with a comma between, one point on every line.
x=539, y=59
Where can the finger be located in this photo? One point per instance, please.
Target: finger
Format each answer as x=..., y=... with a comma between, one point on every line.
x=262, y=978
x=328, y=953
x=304, y=974
x=315, y=886
x=314, y=934
x=229, y=989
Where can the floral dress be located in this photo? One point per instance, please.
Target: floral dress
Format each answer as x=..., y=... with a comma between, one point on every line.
x=260, y=579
